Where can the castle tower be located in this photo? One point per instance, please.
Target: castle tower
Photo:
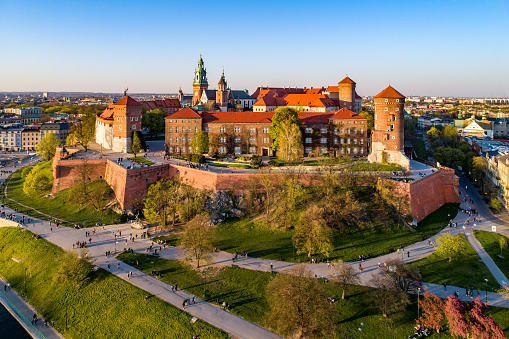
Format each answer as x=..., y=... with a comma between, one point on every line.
x=222, y=94
x=200, y=82
x=387, y=137
x=126, y=119
x=346, y=89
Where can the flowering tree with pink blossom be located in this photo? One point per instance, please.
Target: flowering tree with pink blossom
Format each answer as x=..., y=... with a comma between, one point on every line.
x=455, y=313
x=432, y=311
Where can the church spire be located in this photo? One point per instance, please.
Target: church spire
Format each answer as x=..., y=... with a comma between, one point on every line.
x=200, y=74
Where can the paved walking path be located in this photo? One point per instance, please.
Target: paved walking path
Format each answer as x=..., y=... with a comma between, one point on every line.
x=28, y=312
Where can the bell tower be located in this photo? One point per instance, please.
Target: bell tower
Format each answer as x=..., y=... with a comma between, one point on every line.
x=222, y=94
x=200, y=82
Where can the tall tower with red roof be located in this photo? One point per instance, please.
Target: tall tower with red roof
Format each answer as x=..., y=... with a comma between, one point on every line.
x=346, y=89
x=126, y=119
x=200, y=82
x=222, y=94
x=387, y=137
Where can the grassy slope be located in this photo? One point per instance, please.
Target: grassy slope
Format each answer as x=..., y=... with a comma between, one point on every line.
x=259, y=240
x=104, y=307
x=373, y=167
x=489, y=242
x=467, y=271
x=244, y=291
x=61, y=205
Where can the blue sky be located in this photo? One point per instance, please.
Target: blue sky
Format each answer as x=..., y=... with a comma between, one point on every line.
x=457, y=48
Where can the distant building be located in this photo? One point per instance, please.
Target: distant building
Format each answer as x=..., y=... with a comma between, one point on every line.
x=474, y=128
x=60, y=129
x=168, y=105
x=21, y=111
x=30, y=137
x=115, y=125
x=10, y=137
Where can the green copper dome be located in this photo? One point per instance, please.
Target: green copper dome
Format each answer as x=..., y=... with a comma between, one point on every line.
x=200, y=74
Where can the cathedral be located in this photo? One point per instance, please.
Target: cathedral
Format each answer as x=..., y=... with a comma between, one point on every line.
x=221, y=99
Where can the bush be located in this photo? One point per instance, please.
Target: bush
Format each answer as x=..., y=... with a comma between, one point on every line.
x=196, y=158
x=324, y=155
x=25, y=171
x=256, y=161
x=273, y=163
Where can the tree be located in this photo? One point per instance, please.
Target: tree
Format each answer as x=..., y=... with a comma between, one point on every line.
x=312, y=234
x=84, y=130
x=298, y=305
x=385, y=297
x=345, y=275
x=403, y=277
x=47, y=146
x=136, y=144
x=37, y=182
x=432, y=311
x=371, y=120
x=502, y=241
x=197, y=237
x=480, y=168
x=73, y=269
x=153, y=121
x=450, y=246
x=282, y=114
x=200, y=143
x=290, y=146
x=162, y=201
x=386, y=192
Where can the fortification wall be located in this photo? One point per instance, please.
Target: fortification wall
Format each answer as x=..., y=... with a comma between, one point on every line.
x=66, y=172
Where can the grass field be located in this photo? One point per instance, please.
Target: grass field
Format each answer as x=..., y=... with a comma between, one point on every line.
x=244, y=291
x=373, y=167
x=490, y=243
x=142, y=160
x=261, y=241
x=467, y=271
x=104, y=306
x=61, y=205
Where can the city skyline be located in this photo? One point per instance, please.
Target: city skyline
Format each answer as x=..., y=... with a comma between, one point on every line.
x=442, y=48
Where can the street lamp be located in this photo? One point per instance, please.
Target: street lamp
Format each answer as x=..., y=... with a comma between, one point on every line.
x=25, y=280
x=360, y=329
x=418, y=302
x=486, y=290
x=66, y=314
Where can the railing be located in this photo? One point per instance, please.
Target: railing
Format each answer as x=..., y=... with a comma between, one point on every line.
x=21, y=317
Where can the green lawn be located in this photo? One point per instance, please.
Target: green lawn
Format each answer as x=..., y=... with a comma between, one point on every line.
x=61, y=205
x=466, y=271
x=373, y=167
x=142, y=160
x=228, y=165
x=261, y=241
x=104, y=306
x=489, y=242
x=244, y=291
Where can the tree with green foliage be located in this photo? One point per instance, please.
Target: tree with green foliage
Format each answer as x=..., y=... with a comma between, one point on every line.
x=37, y=182
x=312, y=235
x=502, y=242
x=84, y=131
x=73, y=269
x=200, y=143
x=299, y=307
x=162, y=201
x=287, y=114
x=480, y=169
x=371, y=121
x=47, y=146
x=153, y=121
x=495, y=204
x=450, y=246
x=136, y=144
x=197, y=238
x=290, y=146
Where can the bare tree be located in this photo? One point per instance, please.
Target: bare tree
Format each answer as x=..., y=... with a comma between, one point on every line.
x=197, y=238
x=345, y=275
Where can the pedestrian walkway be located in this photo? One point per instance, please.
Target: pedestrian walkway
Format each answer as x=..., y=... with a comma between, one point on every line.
x=23, y=313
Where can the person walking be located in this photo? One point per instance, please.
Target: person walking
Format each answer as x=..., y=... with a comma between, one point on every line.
x=445, y=287
x=184, y=304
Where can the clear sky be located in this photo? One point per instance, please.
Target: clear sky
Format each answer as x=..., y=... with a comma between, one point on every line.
x=443, y=47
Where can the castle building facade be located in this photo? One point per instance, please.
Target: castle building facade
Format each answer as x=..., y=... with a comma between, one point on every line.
x=387, y=137
x=114, y=126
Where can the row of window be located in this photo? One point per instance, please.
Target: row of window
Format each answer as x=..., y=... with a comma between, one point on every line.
x=222, y=140
x=121, y=119
x=183, y=121
x=341, y=130
x=132, y=128
x=183, y=129
x=335, y=141
x=347, y=150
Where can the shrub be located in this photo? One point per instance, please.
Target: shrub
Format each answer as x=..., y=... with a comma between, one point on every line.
x=25, y=171
x=324, y=155
x=256, y=161
x=273, y=163
x=197, y=158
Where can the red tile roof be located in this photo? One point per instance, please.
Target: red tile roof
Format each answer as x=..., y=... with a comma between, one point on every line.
x=270, y=101
x=314, y=117
x=276, y=91
x=238, y=117
x=347, y=80
x=161, y=103
x=345, y=113
x=390, y=92
x=312, y=100
x=333, y=89
x=186, y=113
x=106, y=114
x=127, y=101
x=314, y=90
